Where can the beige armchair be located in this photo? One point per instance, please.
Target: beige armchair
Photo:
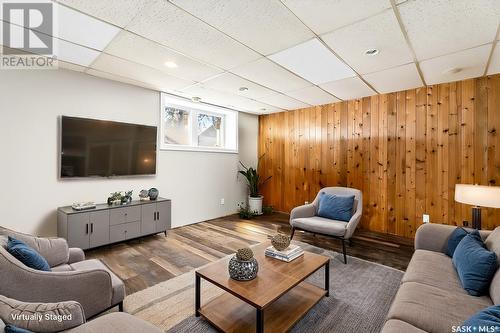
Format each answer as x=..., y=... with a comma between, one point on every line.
x=88, y=282
x=304, y=217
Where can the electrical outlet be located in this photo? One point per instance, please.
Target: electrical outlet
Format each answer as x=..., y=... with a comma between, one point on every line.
x=426, y=218
x=222, y=201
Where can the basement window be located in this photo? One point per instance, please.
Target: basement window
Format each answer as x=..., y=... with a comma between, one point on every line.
x=195, y=126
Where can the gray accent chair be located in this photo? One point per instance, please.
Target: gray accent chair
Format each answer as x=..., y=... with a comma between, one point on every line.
x=117, y=322
x=88, y=282
x=304, y=217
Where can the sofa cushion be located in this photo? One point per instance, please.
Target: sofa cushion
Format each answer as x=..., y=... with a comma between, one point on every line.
x=434, y=269
x=456, y=236
x=117, y=322
x=475, y=264
x=321, y=225
x=492, y=243
x=433, y=309
x=27, y=255
x=489, y=317
x=116, y=284
x=398, y=326
x=62, y=268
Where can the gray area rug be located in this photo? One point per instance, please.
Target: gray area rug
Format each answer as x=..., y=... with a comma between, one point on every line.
x=361, y=293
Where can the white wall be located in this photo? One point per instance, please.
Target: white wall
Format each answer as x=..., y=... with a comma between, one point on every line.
x=30, y=103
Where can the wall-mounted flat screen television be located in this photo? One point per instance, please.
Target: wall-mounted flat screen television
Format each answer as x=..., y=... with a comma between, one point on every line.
x=98, y=148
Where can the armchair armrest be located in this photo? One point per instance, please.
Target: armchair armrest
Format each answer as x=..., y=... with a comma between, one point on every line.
x=75, y=255
x=91, y=288
x=303, y=211
x=434, y=237
x=14, y=312
x=352, y=224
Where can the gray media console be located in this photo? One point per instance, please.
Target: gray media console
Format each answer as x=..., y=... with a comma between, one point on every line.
x=110, y=224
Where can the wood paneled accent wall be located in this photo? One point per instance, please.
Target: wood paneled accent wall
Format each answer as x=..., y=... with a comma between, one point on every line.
x=405, y=151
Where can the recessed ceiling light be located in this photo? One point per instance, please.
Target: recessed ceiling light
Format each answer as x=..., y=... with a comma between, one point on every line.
x=170, y=64
x=371, y=52
x=196, y=99
x=243, y=89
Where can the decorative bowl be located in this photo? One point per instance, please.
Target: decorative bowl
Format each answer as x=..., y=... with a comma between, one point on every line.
x=243, y=270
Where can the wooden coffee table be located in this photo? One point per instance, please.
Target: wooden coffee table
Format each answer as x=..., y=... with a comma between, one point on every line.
x=273, y=302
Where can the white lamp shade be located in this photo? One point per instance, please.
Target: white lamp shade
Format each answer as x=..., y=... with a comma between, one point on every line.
x=478, y=195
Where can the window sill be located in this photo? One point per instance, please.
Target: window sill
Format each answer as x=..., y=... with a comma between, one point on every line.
x=199, y=149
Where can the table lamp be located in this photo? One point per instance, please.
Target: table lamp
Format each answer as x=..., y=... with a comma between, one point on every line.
x=477, y=196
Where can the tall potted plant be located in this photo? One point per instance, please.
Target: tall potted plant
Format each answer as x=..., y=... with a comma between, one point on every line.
x=254, y=182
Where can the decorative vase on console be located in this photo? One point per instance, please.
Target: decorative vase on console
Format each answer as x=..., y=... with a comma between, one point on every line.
x=153, y=193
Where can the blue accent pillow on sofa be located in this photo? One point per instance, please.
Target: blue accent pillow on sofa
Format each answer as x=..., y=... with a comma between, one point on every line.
x=475, y=265
x=15, y=329
x=336, y=207
x=456, y=236
x=27, y=255
x=489, y=317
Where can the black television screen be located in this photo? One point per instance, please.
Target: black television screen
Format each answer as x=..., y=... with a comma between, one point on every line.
x=98, y=148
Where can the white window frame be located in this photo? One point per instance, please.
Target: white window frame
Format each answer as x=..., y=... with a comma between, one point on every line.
x=194, y=109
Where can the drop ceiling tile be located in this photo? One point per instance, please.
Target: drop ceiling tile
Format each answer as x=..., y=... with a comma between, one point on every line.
x=69, y=66
x=494, y=67
x=118, y=78
x=438, y=27
x=471, y=63
x=138, y=49
x=312, y=95
x=282, y=101
x=231, y=83
x=159, y=80
x=82, y=29
x=313, y=61
x=395, y=79
x=381, y=32
x=226, y=100
x=327, y=15
x=350, y=88
x=173, y=27
x=118, y=12
x=264, y=25
x=75, y=54
x=271, y=75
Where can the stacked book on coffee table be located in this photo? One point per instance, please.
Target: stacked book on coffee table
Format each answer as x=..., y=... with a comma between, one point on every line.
x=290, y=253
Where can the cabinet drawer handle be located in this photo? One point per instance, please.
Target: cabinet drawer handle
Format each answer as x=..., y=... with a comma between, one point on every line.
x=158, y=214
x=87, y=228
x=91, y=227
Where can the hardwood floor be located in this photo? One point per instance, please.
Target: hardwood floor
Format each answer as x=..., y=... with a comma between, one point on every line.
x=146, y=261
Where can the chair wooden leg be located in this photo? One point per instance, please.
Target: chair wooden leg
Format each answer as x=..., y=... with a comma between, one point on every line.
x=343, y=250
x=293, y=231
x=120, y=306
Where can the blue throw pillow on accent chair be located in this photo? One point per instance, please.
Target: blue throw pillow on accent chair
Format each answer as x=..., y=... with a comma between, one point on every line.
x=27, y=255
x=456, y=236
x=486, y=318
x=475, y=265
x=336, y=207
x=15, y=329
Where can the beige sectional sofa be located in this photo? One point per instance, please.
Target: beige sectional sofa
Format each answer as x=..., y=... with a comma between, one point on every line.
x=431, y=297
